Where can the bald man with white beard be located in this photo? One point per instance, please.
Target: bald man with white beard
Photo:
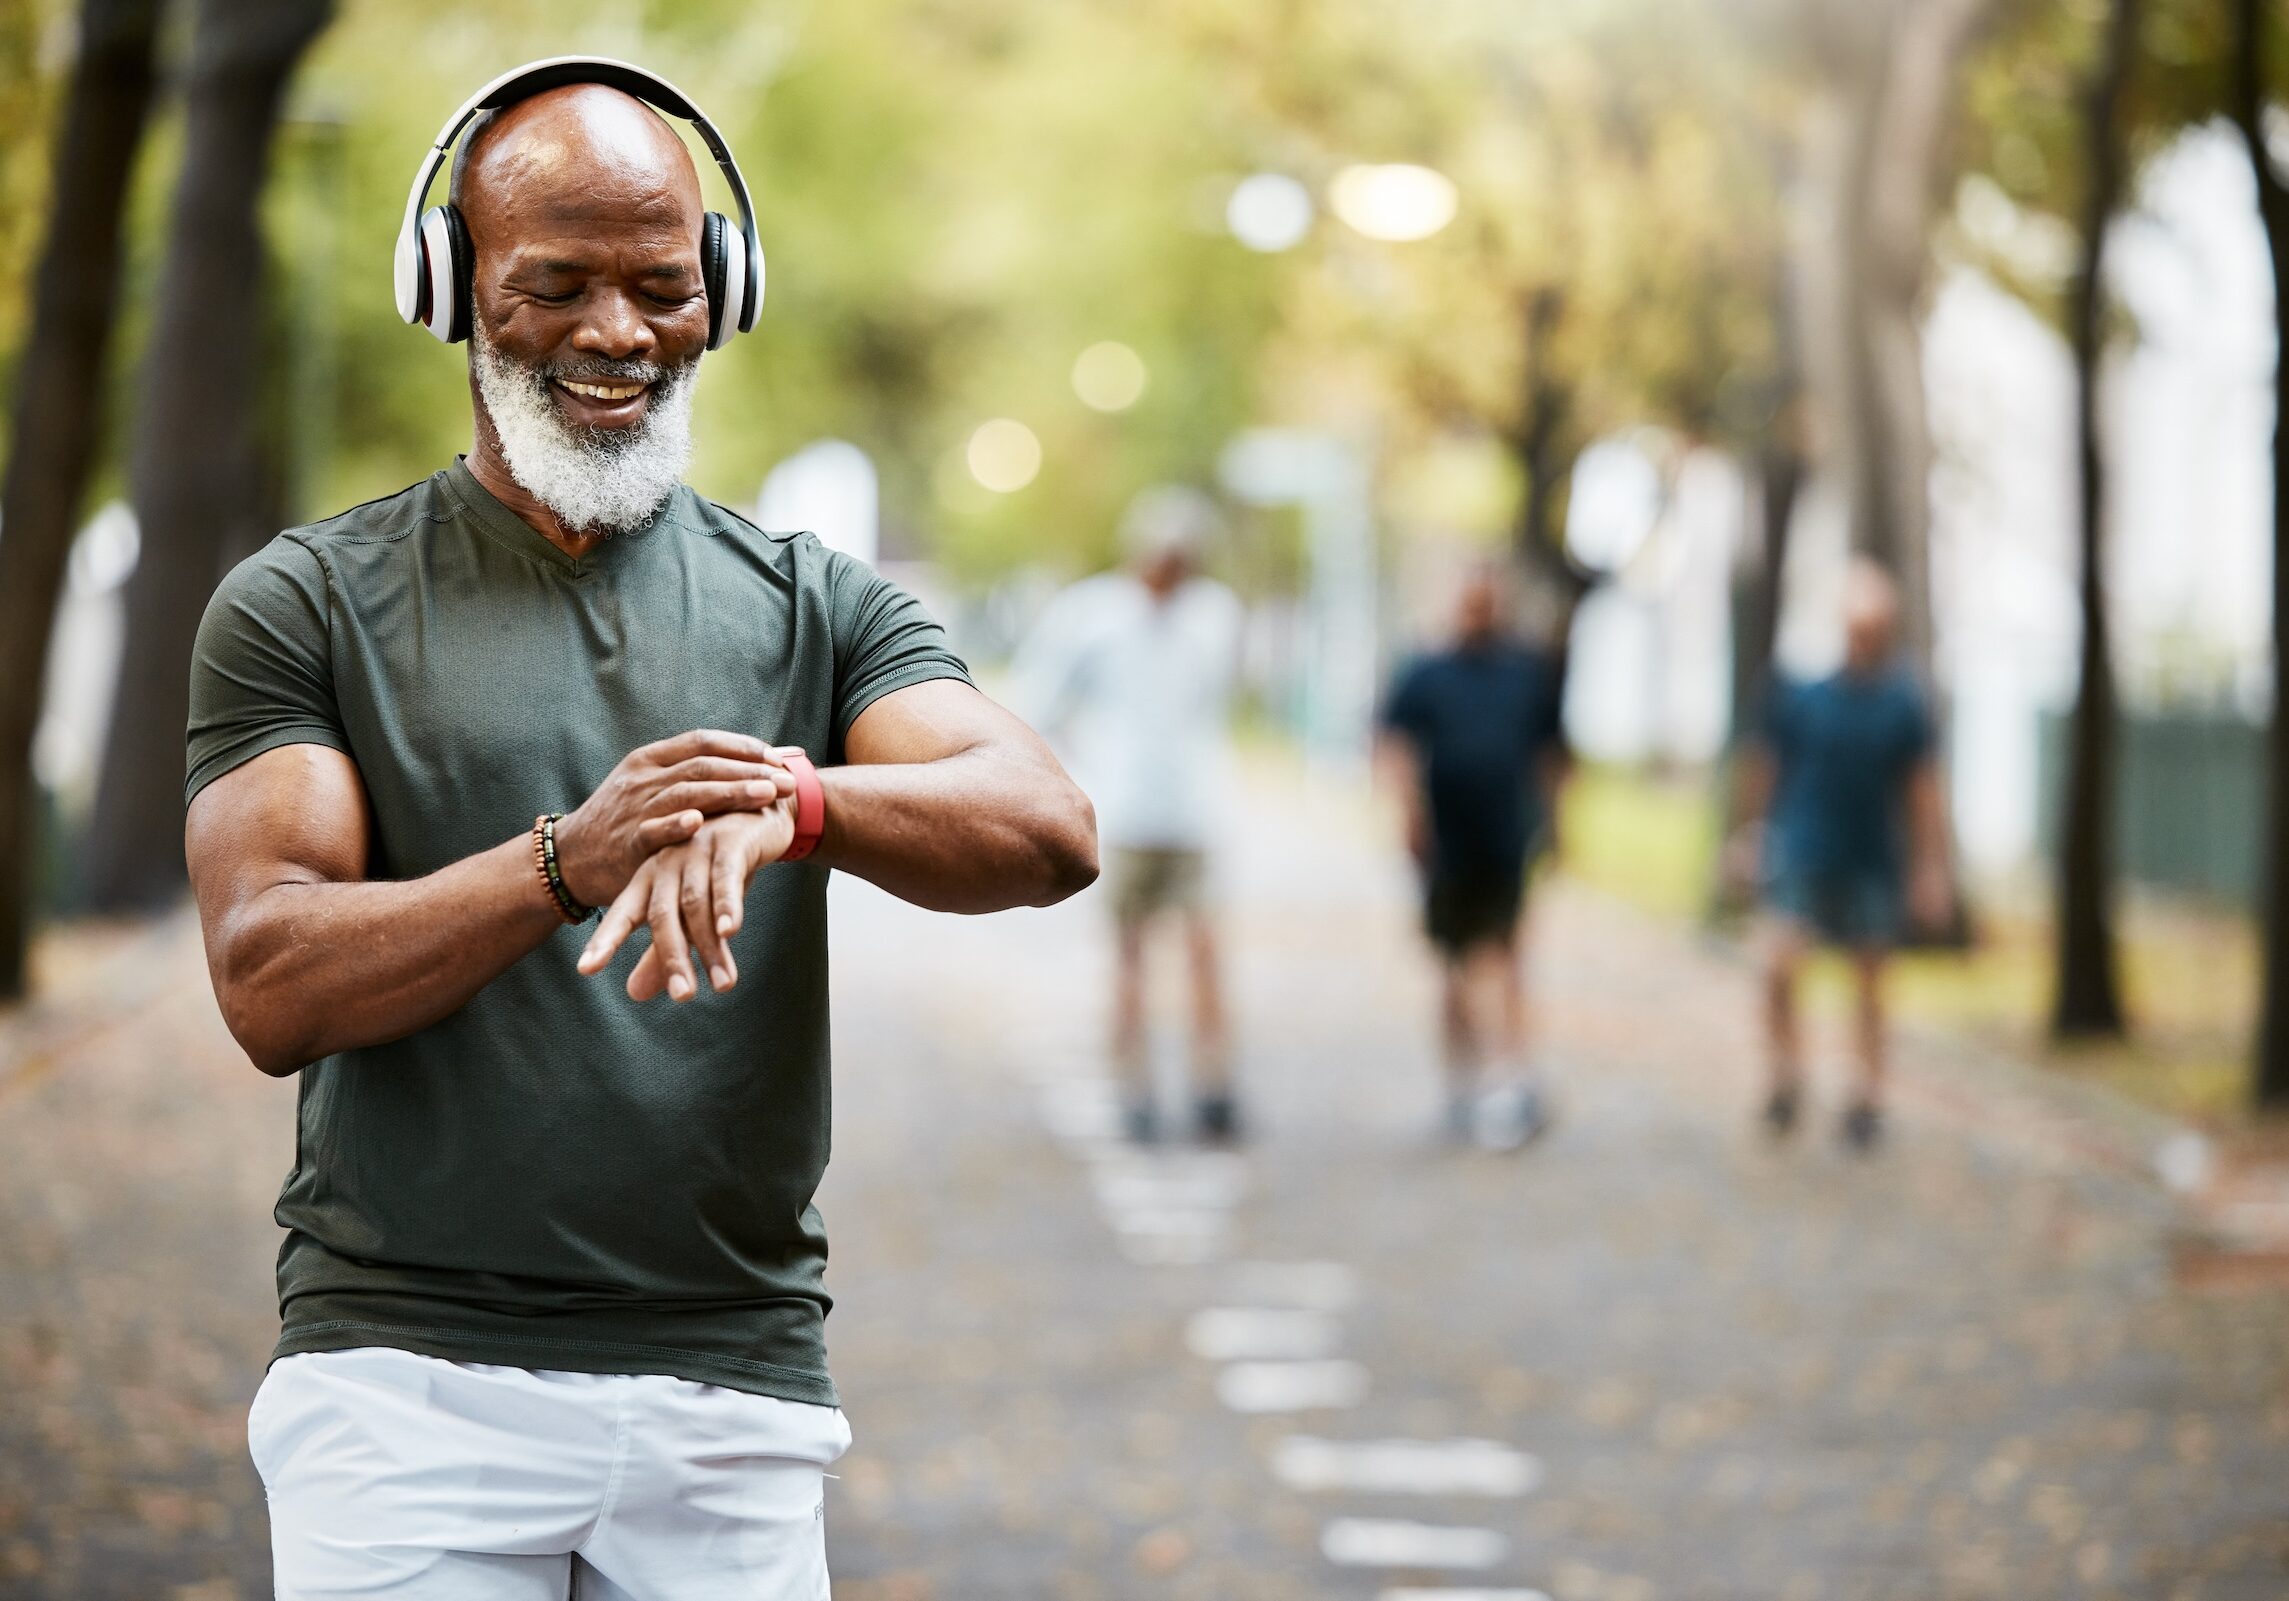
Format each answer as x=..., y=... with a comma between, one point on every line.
x=552, y=1283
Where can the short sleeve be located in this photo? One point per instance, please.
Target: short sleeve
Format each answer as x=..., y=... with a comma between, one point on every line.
x=1546, y=728
x=1917, y=735
x=1404, y=709
x=884, y=641
x=261, y=670
x=1777, y=720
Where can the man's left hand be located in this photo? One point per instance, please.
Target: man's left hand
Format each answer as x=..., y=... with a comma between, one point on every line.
x=694, y=896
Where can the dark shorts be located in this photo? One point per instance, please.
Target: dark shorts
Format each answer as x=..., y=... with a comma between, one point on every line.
x=1857, y=907
x=1466, y=906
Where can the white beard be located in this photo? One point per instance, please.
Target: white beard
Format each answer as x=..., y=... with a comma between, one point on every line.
x=593, y=479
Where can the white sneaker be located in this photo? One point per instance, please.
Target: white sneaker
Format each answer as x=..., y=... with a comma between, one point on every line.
x=1508, y=1118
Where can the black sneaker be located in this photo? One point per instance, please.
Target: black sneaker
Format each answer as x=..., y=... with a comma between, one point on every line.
x=1864, y=1127
x=1780, y=1109
x=1218, y=1119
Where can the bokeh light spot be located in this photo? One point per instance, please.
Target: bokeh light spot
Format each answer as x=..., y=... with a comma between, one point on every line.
x=1109, y=376
x=1004, y=455
x=1394, y=201
x=1268, y=211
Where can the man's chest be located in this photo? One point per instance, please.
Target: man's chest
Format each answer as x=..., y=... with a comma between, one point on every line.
x=472, y=708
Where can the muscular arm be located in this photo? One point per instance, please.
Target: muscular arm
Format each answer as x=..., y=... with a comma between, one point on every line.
x=947, y=801
x=1399, y=772
x=308, y=957
x=950, y=802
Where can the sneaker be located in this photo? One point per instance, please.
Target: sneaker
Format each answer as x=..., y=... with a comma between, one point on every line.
x=1140, y=1122
x=1864, y=1126
x=1508, y=1119
x=1780, y=1109
x=1218, y=1119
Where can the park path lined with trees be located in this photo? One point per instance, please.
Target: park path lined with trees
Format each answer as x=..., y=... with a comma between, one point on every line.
x=1720, y=222
x=1958, y=1370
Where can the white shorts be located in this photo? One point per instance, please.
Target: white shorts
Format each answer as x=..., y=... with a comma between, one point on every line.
x=391, y=1474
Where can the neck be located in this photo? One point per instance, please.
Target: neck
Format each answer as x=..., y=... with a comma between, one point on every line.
x=490, y=467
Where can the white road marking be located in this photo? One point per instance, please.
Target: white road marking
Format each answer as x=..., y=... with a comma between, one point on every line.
x=1121, y=1187
x=1316, y=1286
x=1172, y=1250
x=1405, y=1467
x=1396, y=1543
x=1082, y=1111
x=1249, y=1333
x=1291, y=1386
x=1462, y=1595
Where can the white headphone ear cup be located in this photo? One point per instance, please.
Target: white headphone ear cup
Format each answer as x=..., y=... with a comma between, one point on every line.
x=441, y=291
x=732, y=252
x=406, y=274
x=754, y=299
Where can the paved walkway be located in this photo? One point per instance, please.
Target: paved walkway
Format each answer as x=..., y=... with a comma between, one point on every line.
x=1650, y=1358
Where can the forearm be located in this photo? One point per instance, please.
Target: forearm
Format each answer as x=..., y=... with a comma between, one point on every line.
x=306, y=968
x=1927, y=819
x=1753, y=787
x=980, y=830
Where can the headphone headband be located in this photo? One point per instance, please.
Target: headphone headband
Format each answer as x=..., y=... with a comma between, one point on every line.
x=555, y=71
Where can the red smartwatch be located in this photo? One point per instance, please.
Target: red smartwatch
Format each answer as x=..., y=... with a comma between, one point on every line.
x=810, y=804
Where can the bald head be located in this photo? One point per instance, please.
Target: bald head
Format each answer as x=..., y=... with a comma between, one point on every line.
x=1871, y=615
x=584, y=152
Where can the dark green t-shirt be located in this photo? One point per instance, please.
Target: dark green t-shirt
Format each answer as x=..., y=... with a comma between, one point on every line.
x=555, y=1176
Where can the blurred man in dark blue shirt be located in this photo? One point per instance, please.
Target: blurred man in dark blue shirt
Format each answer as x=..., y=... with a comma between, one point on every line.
x=1846, y=838
x=1472, y=733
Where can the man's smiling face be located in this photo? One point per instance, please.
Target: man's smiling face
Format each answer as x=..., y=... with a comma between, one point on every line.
x=584, y=216
x=591, y=311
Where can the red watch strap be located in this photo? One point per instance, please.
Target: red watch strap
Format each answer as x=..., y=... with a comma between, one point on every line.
x=810, y=805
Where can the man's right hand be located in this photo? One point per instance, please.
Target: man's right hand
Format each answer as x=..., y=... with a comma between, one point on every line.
x=658, y=796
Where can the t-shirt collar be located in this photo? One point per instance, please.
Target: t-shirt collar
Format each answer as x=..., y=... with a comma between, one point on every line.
x=507, y=528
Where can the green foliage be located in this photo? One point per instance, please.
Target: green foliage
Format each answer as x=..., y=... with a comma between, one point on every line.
x=958, y=196
x=31, y=83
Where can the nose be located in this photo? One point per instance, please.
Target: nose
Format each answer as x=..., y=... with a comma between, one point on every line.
x=614, y=327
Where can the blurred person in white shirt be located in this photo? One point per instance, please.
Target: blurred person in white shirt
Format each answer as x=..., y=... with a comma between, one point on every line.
x=1132, y=672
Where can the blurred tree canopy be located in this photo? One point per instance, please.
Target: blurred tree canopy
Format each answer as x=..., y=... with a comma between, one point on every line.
x=957, y=198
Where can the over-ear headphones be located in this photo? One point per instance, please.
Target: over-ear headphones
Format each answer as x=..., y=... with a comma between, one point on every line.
x=433, y=255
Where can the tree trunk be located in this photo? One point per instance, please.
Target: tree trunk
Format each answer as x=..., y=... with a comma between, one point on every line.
x=59, y=392
x=2089, y=999
x=1873, y=156
x=1538, y=445
x=2271, y=1080
x=195, y=475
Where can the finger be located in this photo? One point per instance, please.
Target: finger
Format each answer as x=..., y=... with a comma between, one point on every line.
x=694, y=903
x=644, y=979
x=720, y=769
x=620, y=920
x=706, y=742
x=730, y=893
x=658, y=833
x=668, y=937
x=754, y=795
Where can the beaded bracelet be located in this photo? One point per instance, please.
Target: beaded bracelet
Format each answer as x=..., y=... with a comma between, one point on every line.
x=544, y=862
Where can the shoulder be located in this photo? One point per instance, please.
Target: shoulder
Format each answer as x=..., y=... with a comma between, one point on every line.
x=378, y=521
x=797, y=547
x=287, y=575
x=1416, y=674
x=712, y=517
